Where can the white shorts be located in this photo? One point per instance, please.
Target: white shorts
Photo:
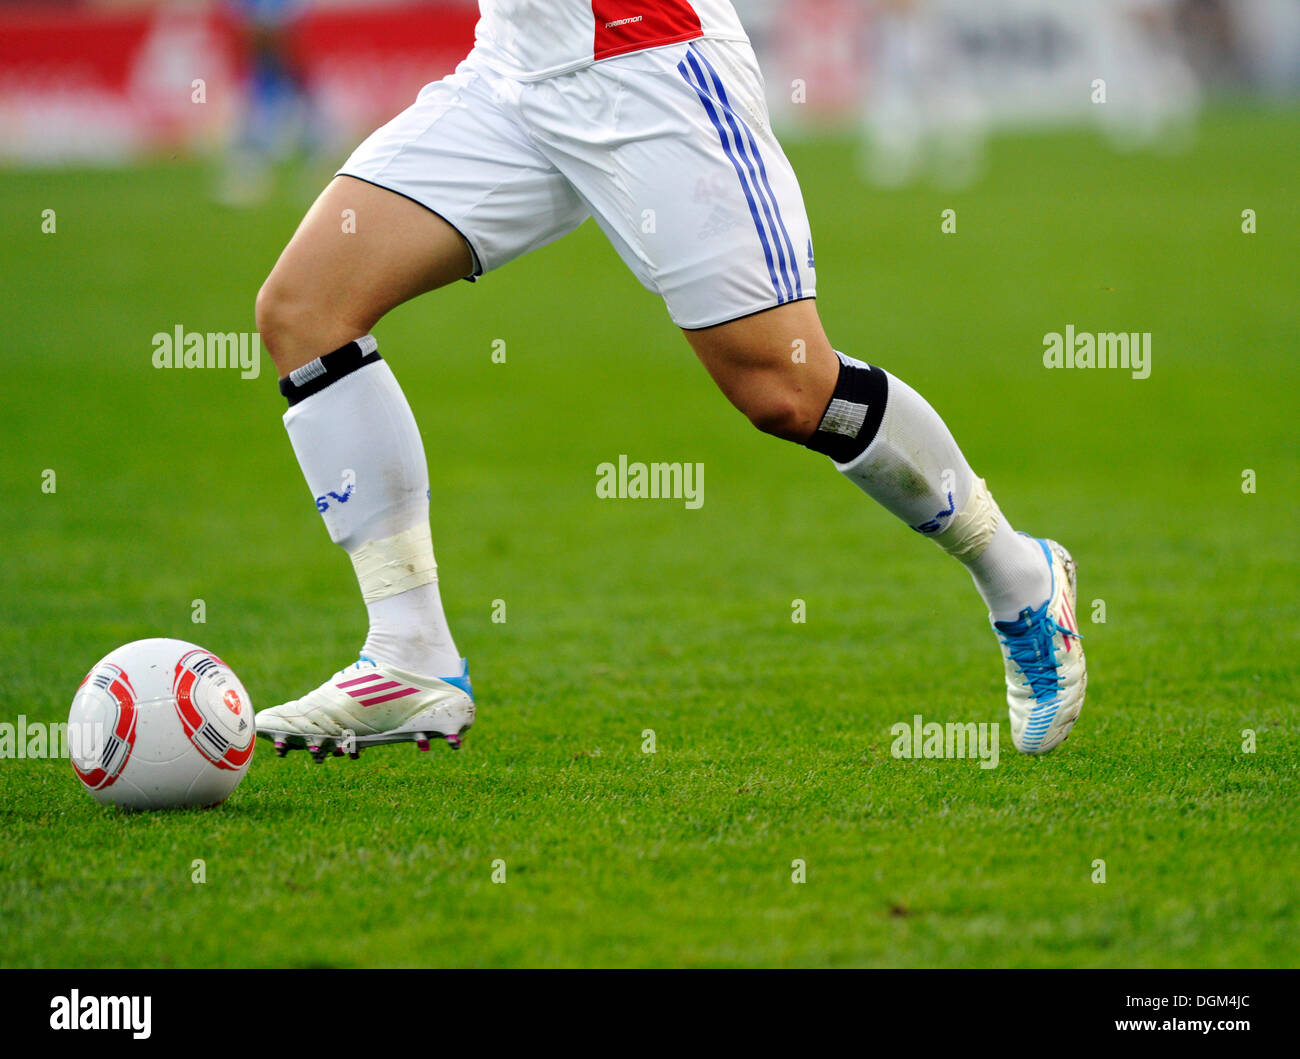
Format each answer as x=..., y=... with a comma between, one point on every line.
x=669, y=149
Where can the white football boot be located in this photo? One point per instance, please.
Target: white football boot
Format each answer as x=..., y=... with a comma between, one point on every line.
x=1046, y=674
x=368, y=704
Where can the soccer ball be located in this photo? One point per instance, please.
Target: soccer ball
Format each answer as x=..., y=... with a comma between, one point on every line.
x=161, y=724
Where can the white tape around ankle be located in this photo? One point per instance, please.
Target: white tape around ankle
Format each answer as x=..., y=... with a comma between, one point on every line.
x=971, y=529
x=395, y=564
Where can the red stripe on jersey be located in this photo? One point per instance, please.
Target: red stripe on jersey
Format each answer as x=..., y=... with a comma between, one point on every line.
x=631, y=25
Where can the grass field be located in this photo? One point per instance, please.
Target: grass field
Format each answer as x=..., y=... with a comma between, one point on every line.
x=773, y=737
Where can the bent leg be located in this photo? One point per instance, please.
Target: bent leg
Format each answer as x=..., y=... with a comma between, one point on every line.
x=779, y=369
x=360, y=251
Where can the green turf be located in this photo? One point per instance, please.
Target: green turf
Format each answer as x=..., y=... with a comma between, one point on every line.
x=773, y=737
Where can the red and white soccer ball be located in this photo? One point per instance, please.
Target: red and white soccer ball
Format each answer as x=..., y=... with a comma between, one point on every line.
x=161, y=724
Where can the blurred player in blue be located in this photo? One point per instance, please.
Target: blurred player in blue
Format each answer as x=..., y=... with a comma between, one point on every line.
x=276, y=118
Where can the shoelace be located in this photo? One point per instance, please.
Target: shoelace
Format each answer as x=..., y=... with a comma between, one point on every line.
x=1034, y=652
x=356, y=665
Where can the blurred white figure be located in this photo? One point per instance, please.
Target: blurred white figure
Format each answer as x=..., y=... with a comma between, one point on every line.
x=1267, y=34
x=1152, y=96
x=921, y=117
x=944, y=73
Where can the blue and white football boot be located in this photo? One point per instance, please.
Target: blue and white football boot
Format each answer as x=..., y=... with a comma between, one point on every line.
x=369, y=704
x=1046, y=674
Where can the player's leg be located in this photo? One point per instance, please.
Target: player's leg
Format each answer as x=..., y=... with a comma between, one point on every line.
x=360, y=251
x=704, y=206
x=842, y=408
x=885, y=437
x=449, y=188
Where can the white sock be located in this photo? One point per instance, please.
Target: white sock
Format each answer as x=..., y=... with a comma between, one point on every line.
x=360, y=451
x=915, y=470
x=410, y=631
x=1011, y=573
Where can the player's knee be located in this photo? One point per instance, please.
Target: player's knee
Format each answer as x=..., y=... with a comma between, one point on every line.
x=277, y=321
x=296, y=327
x=781, y=414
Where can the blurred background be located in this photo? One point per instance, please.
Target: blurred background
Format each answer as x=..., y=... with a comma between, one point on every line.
x=922, y=83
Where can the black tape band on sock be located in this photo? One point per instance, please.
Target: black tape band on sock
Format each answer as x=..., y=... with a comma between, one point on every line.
x=853, y=414
x=315, y=375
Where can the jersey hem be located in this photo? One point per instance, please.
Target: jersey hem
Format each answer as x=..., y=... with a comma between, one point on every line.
x=484, y=56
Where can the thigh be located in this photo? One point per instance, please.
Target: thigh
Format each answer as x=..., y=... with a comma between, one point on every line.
x=368, y=249
x=674, y=153
x=448, y=189
x=360, y=251
x=461, y=151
